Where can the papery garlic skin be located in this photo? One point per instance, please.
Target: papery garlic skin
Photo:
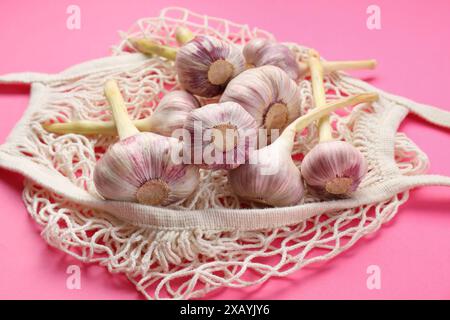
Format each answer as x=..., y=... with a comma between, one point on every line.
x=260, y=52
x=172, y=112
x=206, y=64
x=142, y=158
x=202, y=124
x=272, y=178
x=268, y=94
x=334, y=168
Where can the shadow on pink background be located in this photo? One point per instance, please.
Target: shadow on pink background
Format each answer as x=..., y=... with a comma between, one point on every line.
x=413, y=50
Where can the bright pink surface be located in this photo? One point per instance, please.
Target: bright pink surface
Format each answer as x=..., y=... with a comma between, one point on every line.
x=413, y=50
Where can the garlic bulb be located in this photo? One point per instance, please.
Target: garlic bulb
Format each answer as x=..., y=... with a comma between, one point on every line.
x=259, y=52
x=271, y=176
x=172, y=112
x=332, y=168
x=204, y=65
x=221, y=135
x=140, y=167
x=268, y=94
x=170, y=115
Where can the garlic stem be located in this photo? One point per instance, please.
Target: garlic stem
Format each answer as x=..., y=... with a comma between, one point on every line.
x=183, y=35
x=319, y=96
x=86, y=127
x=330, y=66
x=150, y=47
x=125, y=126
x=349, y=65
x=317, y=113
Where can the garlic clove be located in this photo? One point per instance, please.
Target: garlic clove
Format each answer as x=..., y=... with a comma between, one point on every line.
x=170, y=115
x=334, y=167
x=221, y=135
x=268, y=94
x=259, y=52
x=205, y=65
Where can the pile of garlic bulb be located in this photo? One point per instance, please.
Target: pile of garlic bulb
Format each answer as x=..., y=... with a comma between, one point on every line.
x=249, y=132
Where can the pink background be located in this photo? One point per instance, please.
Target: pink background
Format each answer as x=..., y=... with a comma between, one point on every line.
x=413, y=50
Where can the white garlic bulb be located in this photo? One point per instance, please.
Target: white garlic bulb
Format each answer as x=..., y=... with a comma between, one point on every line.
x=268, y=94
x=140, y=167
x=170, y=115
x=331, y=168
x=221, y=135
x=271, y=176
x=259, y=52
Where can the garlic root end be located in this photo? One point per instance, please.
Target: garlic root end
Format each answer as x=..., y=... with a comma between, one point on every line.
x=220, y=72
x=339, y=186
x=153, y=192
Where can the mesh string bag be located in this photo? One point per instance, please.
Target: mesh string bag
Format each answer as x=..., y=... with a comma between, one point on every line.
x=212, y=239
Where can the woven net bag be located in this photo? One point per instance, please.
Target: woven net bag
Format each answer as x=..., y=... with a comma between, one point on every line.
x=213, y=239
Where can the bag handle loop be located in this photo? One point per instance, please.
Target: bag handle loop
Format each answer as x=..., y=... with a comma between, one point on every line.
x=433, y=115
x=25, y=77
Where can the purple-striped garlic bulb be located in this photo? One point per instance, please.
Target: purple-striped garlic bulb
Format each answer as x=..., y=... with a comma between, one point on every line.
x=170, y=115
x=271, y=176
x=204, y=64
x=140, y=167
x=221, y=135
x=334, y=168
x=259, y=52
x=331, y=168
x=268, y=94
